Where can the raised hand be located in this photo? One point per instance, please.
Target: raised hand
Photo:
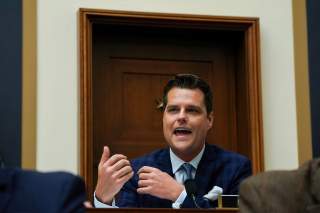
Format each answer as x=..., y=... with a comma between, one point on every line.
x=113, y=173
x=157, y=183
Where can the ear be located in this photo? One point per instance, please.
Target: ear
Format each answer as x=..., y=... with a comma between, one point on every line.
x=210, y=120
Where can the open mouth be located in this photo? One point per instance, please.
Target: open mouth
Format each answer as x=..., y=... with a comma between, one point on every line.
x=182, y=131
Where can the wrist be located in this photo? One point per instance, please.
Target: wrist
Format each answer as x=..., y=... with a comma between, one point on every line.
x=107, y=201
x=103, y=198
x=176, y=193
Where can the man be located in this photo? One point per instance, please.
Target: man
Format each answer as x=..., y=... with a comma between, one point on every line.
x=157, y=179
x=295, y=191
x=31, y=191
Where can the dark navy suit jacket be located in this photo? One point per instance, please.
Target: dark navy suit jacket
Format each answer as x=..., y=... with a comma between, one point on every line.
x=30, y=191
x=217, y=167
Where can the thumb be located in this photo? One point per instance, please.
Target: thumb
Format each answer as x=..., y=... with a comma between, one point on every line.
x=105, y=154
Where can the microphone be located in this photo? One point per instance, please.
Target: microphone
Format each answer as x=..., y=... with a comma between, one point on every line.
x=190, y=186
x=191, y=189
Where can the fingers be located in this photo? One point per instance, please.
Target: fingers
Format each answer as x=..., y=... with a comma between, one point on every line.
x=145, y=186
x=147, y=169
x=109, y=161
x=114, y=159
x=117, y=165
x=124, y=171
x=148, y=172
x=160, y=184
x=87, y=204
x=105, y=155
x=145, y=176
x=126, y=177
x=113, y=172
x=144, y=183
x=144, y=190
x=120, y=163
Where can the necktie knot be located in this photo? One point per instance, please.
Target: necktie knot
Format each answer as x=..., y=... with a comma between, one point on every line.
x=188, y=168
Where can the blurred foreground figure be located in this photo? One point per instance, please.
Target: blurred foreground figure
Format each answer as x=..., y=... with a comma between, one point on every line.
x=294, y=191
x=31, y=191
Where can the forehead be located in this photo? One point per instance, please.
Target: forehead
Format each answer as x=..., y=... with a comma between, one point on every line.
x=178, y=96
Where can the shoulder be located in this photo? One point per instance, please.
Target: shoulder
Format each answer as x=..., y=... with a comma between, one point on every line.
x=227, y=161
x=30, y=190
x=152, y=158
x=217, y=153
x=301, y=177
x=57, y=177
x=60, y=182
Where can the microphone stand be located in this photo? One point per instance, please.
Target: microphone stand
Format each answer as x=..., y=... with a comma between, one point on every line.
x=191, y=189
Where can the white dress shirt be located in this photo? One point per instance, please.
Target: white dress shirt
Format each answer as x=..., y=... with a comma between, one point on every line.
x=176, y=163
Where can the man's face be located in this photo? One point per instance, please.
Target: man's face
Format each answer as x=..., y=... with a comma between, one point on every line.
x=186, y=122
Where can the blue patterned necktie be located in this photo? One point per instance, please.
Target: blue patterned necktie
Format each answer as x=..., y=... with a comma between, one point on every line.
x=187, y=167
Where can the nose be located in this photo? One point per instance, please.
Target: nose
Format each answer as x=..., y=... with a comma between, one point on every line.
x=182, y=117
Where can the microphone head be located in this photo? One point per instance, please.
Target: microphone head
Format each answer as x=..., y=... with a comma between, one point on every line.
x=190, y=186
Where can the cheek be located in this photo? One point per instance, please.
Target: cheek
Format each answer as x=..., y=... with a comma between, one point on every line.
x=166, y=130
x=165, y=125
x=167, y=120
x=164, y=122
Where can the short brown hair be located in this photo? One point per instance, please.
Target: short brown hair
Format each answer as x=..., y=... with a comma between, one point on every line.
x=188, y=81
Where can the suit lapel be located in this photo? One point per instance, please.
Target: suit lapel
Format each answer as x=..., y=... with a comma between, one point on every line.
x=209, y=162
x=6, y=187
x=164, y=162
x=206, y=165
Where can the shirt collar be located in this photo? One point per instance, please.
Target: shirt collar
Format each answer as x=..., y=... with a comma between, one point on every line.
x=176, y=162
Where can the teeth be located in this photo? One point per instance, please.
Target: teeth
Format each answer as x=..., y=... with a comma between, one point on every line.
x=182, y=130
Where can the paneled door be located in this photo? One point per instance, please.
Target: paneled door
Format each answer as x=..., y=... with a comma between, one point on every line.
x=130, y=69
x=127, y=57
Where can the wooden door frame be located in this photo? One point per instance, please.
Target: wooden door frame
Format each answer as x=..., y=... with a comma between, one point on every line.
x=251, y=75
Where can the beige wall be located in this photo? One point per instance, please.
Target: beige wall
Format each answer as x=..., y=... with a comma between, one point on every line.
x=58, y=73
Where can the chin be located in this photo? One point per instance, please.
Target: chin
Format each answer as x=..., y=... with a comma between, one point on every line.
x=182, y=148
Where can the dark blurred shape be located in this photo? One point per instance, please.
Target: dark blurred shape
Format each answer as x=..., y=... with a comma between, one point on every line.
x=228, y=201
x=294, y=191
x=191, y=187
x=11, y=81
x=2, y=165
x=31, y=191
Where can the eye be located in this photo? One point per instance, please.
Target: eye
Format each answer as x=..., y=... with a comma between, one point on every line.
x=193, y=110
x=172, y=109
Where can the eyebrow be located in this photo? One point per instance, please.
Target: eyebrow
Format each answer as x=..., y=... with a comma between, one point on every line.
x=188, y=106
